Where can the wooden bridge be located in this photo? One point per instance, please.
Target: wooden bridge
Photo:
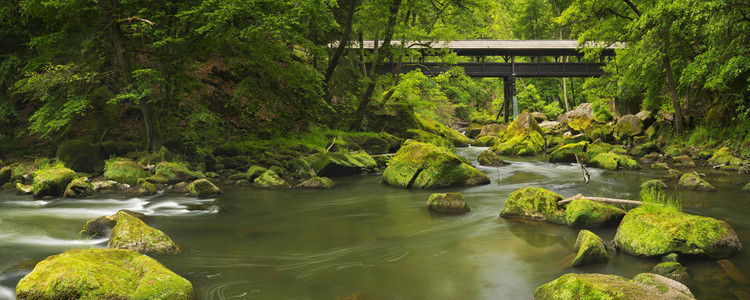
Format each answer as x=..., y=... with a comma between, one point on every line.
x=566, y=56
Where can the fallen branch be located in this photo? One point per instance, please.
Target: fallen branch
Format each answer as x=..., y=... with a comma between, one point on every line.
x=331, y=146
x=584, y=172
x=381, y=155
x=599, y=199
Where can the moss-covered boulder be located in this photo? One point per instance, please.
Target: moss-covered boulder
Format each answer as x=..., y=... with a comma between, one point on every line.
x=485, y=141
x=317, y=183
x=172, y=172
x=52, y=181
x=613, y=161
x=627, y=127
x=535, y=204
x=654, y=184
x=270, y=180
x=495, y=130
x=255, y=172
x=591, y=249
x=23, y=189
x=455, y=137
x=692, y=181
x=600, y=286
x=421, y=165
x=342, y=163
x=81, y=156
x=79, y=188
x=448, y=203
x=203, y=188
x=653, y=231
x=579, y=118
x=5, y=173
x=584, y=213
x=644, y=149
x=523, y=137
x=102, y=274
x=567, y=153
x=132, y=233
x=674, y=271
x=124, y=170
x=724, y=157
x=430, y=138
x=598, y=131
x=683, y=161
x=101, y=226
x=490, y=159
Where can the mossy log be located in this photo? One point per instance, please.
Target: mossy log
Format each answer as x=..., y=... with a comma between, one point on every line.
x=600, y=199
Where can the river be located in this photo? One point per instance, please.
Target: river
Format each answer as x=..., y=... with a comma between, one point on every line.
x=363, y=237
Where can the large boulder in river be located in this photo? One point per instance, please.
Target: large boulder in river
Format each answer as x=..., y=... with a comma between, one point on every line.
x=132, y=233
x=598, y=131
x=270, y=180
x=567, y=153
x=692, y=181
x=448, y=203
x=613, y=161
x=342, y=163
x=628, y=126
x=579, y=118
x=591, y=249
x=102, y=274
x=522, y=137
x=5, y=173
x=455, y=137
x=124, y=170
x=203, y=188
x=654, y=231
x=317, y=183
x=79, y=188
x=600, y=286
x=673, y=270
x=490, y=159
x=495, y=130
x=535, y=204
x=52, y=181
x=172, y=172
x=421, y=165
x=101, y=226
x=584, y=213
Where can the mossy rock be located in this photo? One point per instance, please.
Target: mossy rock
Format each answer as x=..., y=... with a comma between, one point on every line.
x=474, y=130
x=79, y=188
x=124, y=170
x=52, y=181
x=535, y=204
x=448, y=203
x=317, y=183
x=567, y=153
x=203, y=188
x=584, y=213
x=239, y=176
x=132, y=233
x=23, y=189
x=255, y=172
x=102, y=274
x=673, y=151
x=746, y=188
x=598, y=131
x=430, y=138
x=628, y=126
x=601, y=286
x=421, y=165
x=674, y=271
x=5, y=174
x=176, y=172
x=579, y=123
x=342, y=163
x=692, y=181
x=653, y=231
x=724, y=157
x=490, y=159
x=654, y=184
x=591, y=249
x=523, y=137
x=684, y=161
x=161, y=155
x=612, y=161
x=103, y=225
x=456, y=138
x=81, y=156
x=644, y=149
x=495, y=130
x=18, y=172
x=270, y=180
x=485, y=141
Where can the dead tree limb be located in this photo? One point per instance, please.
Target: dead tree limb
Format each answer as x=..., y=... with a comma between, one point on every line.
x=599, y=199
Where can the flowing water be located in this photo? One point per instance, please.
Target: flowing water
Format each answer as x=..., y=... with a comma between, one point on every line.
x=363, y=237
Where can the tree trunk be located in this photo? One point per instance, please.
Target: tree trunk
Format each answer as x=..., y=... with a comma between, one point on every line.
x=342, y=43
x=379, y=57
x=672, y=88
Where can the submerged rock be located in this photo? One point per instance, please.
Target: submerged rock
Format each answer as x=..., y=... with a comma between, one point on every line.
x=342, y=164
x=692, y=181
x=600, y=286
x=421, y=165
x=584, y=213
x=124, y=170
x=674, y=271
x=523, y=137
x=651, y=230
x=203, y=188
x=132, y=233
x=490, y=159
x=448, y=202
x=591, y=249
x=102, y=274
x=317, y=183
x=79, y=188
x=535, y=204
x=52, y=181
x=270, y=180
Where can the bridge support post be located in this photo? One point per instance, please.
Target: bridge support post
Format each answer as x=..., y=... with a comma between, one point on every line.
x=509, y=94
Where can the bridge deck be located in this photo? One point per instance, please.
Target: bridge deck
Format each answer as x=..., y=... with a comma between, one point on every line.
x=504, y=69
x=503, y=47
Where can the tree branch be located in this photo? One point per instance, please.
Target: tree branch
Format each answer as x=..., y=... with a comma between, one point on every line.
x=134, y=18
x=633, y=7
x=617, y=14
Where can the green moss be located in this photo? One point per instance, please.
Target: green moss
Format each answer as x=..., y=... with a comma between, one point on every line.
x=23, y=189
x=255, y=172
x=448, y=202
x=568, y=152
x=591, y=249
x=534, y=203
x=598, y=131
x=79, y=187
x=491, y=159
x=627, y=127
x=724, y=157
x=580, y=122
x=583, y=213
x=124, y=170
x=653, y=184
x=651, y=231
x=523, y=137
x=642, y=150
x=342, y=163
x=692, y=181
x=52, y=181
x=430, y=138
x=600, y=286
x=176, y=172
x=270, y=180
x=612, y=161
x=102, y=274
x=673, y=151
x=5, y=174
x=317, y=183
x=674, y=271
x=132, y=233
x=485, y=141
x=421, y=165
x=203, y=188
x=456, y=138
